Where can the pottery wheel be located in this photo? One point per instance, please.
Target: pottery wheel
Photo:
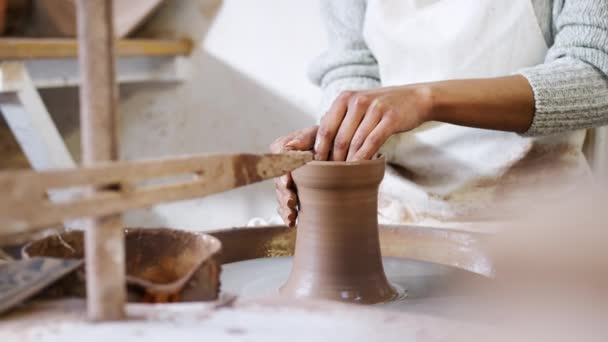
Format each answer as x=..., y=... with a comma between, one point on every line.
x=427, y=263
x=337, y=252
x=433, y=266
x=420, y=285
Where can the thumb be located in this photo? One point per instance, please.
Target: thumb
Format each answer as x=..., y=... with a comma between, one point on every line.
x=304, y=140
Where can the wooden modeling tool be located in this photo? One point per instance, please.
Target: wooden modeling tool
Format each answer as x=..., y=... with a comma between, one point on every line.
x=26, y=211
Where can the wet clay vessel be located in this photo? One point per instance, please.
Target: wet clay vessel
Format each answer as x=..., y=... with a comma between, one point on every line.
x=162, y=265
x=337, y=253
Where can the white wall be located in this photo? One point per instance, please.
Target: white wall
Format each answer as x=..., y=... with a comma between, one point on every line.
x=272, y=42
x=247, y=86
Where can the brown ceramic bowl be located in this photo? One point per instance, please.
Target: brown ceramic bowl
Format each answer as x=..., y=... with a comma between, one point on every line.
x=163, y=265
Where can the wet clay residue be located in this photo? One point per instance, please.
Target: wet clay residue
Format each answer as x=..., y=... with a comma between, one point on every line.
x=168, y=269
x=337, y=253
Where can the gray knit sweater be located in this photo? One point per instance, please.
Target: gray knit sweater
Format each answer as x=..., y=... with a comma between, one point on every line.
x=570, y=87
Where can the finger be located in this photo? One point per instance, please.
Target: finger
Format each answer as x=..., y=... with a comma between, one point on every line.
x=329, y=126
x=375, y=140
x=288, y=216
x=304, y=140
x=356, y=110
x=279, y=145
x=291, y=219
x=287, y=208
x=286, y=197
x=370, y=121
x=292, y=141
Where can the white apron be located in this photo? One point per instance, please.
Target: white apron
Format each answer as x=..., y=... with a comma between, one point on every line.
x=446, y=173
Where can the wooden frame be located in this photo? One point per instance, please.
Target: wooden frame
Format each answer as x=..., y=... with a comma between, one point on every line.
x=22, y=48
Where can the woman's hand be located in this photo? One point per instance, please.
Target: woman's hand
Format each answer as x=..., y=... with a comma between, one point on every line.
x=359, y=123
x=368, y=118
x=302, y=140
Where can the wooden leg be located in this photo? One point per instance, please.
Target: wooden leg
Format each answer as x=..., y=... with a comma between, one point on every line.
x=30, y=122
x=105, y=268
x=104, y=241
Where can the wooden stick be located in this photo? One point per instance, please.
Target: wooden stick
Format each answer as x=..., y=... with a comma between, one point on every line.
x=26, y=209
x=26, y=184
x=104, y=241
x=30, y=48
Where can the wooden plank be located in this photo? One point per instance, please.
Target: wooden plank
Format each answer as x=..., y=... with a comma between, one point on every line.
x=30, y=122
x=16, y=184
x=24, y=208
x=63, y=72
x=104, y=240
x=28, y=48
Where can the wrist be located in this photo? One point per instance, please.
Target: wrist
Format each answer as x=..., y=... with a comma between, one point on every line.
x=427, y=93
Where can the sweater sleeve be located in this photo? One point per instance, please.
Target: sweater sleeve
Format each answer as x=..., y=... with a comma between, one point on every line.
x=348, y=64
x=571, y=87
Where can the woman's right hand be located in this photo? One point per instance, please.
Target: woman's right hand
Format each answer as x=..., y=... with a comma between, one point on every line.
x=301, y=140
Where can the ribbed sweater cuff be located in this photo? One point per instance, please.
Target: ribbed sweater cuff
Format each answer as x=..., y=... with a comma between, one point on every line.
x=568, y=95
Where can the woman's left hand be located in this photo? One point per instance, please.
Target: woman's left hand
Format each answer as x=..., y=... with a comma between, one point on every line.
x=359, y=123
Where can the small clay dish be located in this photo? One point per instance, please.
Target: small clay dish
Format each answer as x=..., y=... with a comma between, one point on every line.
x=163, y=265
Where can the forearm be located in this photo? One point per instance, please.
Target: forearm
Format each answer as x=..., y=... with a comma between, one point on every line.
x=505, y=103
x=359, y=123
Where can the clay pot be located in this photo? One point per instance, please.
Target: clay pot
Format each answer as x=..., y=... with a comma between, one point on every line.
x=337, y=253
x=162, y=265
